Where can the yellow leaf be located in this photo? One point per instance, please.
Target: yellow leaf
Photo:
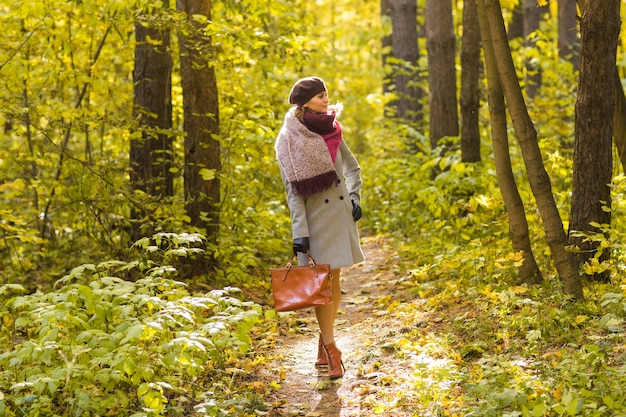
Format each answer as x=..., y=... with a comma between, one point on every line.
x=274, y=385
x=207, y=174
x=518, y=289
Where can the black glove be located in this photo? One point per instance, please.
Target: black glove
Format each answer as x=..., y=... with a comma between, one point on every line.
x=356, y=211
x=300, y=244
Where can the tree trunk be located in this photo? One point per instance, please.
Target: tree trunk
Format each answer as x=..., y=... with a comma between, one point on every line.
x=441, y=71
x=532, y=18
x=387, y=45
x=619, y=119
x=518, y=225
x=538, y=178
x=405, y=55
x=201, y=124
x=569, y=46
x=151, y=155
x=516, y=25
x=470, y=75
x=595, y=107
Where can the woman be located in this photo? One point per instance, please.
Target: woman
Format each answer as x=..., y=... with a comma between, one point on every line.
x=323, y=183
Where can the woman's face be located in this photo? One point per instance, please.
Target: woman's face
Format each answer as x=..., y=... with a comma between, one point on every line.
x=319, y=103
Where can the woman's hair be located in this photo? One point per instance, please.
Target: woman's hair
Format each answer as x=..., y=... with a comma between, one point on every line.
x=337, y=108
x=299, y=112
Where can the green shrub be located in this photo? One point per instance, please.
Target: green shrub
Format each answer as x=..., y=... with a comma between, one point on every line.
x=100, y=345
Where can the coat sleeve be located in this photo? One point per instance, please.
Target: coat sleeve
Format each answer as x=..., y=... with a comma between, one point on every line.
x=297, y=210
x=352, y=172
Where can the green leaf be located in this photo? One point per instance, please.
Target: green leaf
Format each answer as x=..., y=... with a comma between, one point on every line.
x=208, y=174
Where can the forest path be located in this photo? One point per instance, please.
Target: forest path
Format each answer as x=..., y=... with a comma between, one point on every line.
x=364, y=326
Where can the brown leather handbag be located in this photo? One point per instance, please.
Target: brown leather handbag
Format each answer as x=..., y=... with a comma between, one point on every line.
x=300, y=287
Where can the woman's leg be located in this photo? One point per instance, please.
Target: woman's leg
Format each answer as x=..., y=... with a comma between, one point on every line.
x=336, y=292
x=326, y=314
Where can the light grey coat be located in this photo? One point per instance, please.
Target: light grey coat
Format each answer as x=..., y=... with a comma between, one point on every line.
x=326, y=217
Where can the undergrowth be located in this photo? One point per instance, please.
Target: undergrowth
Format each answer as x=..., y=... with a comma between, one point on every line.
x=488, y=345
x=100, y=345
x=482, y=345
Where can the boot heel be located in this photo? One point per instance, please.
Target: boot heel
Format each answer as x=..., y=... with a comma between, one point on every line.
x=322, y=356
x=335, y=364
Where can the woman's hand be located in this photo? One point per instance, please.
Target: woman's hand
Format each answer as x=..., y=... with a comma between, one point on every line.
x=300, y=244
x=356, y=211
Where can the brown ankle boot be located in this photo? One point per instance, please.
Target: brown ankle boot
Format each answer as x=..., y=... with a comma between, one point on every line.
x=322, y=358
x=335, y=364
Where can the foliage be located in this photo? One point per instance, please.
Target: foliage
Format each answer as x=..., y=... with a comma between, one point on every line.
x=100, y=345
x=468, y=341
x=66, y=89
x=125, y=336
x=254, y=91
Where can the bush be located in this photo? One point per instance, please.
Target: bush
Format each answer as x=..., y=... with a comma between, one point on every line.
x=100, y=345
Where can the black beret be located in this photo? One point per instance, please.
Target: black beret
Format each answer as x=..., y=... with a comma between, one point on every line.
x=305, y=89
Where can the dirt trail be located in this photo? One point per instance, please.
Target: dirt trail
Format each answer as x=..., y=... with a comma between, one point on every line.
x=363, y=327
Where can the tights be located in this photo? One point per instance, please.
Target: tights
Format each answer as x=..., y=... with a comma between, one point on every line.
x=327, y=313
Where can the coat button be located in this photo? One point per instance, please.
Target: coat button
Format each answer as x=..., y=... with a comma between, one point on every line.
x=341, y=197
x=326, y=201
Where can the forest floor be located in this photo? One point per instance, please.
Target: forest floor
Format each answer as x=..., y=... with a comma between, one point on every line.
x=376, y=379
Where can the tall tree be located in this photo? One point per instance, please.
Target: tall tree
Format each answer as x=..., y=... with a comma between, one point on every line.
x=444, y=119
x=569, y=45
x=404, y=57
x=151, y=153
x=518, y=225
x=532, y=17
x=515, y=28
x=595, y=106
x=619, y=119
x=619, y=116
x=470, y=76
x=387, y=45
x=201, y=120
x=527, y=136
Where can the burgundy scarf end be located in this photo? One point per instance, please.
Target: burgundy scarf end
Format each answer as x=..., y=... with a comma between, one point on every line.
x=319, y=183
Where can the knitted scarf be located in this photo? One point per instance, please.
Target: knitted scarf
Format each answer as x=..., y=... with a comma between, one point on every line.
x=327, y=126
x=306, y=157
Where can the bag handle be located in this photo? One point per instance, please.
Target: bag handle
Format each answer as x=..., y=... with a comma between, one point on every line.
x=293, y=256
x=312, y=264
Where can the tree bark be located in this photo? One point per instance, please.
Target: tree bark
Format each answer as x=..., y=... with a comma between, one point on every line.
x=595, y=108
x=470, y=75
x=387, y=45
x=538, y=178
x=569, y=46
x=532, y=18
x=619, y=119
x=201, y=122
x=518, y=225
x=441, y=71
x=516, y=24
x=151, y=155
x=405, y=53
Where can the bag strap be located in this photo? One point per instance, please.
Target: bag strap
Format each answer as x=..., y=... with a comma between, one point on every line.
x=312, y=263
